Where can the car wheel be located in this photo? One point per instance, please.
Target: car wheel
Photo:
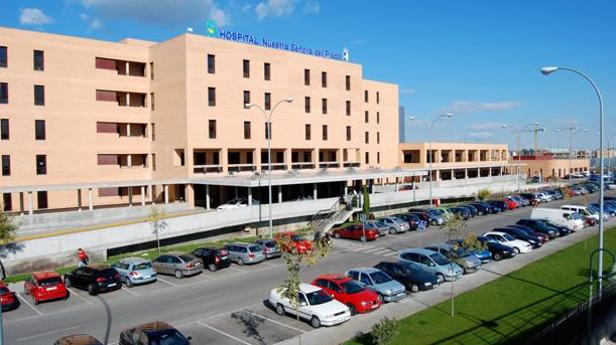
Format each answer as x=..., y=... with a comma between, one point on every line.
x=440, y=278
x=516, y=250
x=351, y=309
x=212, y=267
x=414, y=288
x=129, y=283
x=178, y=274
x=315, y=322
x=497, y=257
x=91, y=290
x=280, y=309
x=67, y=282
x=336, y=235
x=392, y=231
x=36, y=301
x=240, y=262
x=433, y=222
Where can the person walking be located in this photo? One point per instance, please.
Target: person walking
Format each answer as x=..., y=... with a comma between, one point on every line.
x=84, y=259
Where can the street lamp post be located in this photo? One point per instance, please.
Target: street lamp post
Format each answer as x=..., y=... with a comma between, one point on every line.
x=549, y=70
x=411, y=118
x=447, y=115
x=268, y=124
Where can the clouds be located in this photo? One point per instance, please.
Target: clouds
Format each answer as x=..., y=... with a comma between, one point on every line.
x=407, y=91
x=486, y=125
x=312, y=7
x=274, y=8
x=468, y=107
x=34, y=16
x=480, y=135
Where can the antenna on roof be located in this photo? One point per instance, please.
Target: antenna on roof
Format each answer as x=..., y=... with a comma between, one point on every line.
x=189, y=29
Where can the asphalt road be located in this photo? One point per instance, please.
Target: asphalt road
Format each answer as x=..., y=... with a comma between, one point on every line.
x=224, y=307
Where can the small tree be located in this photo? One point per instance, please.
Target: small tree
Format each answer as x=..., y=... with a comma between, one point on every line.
x=157, y=223
x=453, y=228
x=384, y=331
x=484, y=194
x=7, y=235
x=366, y=205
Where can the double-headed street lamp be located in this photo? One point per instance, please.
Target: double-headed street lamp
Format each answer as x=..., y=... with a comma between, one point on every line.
x=446, y=115
x=572, y=132
x=268, y=124
x=517, y=140
x=552, y=69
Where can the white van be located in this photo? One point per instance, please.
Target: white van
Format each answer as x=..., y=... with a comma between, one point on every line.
x=570, y=219
x=583, y=210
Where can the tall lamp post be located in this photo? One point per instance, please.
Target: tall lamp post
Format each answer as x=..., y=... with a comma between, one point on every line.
x=411, y=118
x=447, y=115
x=518, y=148
x=552, y=69
x=268, y=124
x=572, y=132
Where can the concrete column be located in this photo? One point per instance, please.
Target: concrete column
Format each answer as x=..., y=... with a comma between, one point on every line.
x=207, y=196
x=166, y=192
x=153, y=194
x=189, y=193
x=127, y=99
x=130, y=196
x=478, y=172
x=453, y=174
x=21, y=203
x=500, y=171
x=235, y=191
x=346, y=188
x=287, y=158
x=249, y=196
x=129, y=160
x=142, y=195
x=79, y=202
x=279, y=194
x=90, y=199
x=126, y=69
x=314, y=191
x=30, y=209
x=490, y=171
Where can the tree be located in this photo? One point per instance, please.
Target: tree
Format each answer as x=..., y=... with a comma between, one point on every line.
x=484, y=194
x=157, y=223
x=7, y=235
x=366, y=205
x=453, y=228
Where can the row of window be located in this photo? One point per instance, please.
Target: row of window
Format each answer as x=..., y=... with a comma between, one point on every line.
x=39, y=94
x=41, y=200
x=38, y=57
x=39, y=130
x=41, y=165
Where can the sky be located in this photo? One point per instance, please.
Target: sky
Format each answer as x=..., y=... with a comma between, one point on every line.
x=479, y=59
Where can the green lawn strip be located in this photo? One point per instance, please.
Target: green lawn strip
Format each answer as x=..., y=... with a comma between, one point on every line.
x=510, y=308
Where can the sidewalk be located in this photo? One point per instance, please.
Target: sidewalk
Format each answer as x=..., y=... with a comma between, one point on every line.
x=418, y=302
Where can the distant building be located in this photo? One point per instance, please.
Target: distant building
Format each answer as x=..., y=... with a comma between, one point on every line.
x=402, y=123
x=548, y=165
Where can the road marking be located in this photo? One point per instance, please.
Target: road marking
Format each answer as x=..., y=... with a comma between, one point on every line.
x=199, y=298
x=381, y=252
x=167, y=282
x=129, y=291
x=28, y=304
x=276, y=322
x=373, y=249
x=223, y=333
x=73, y=292
x=390, y=254
x=47, y=333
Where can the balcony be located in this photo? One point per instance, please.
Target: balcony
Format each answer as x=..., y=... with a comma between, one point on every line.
x=328, y=165
x=122, y=130
x=302, y=165
x=301, y=159
x=237, y=168
x=122, y=98
x=207, y=169
x=121, y=67
x=275, y=166
x=351, y=164
x=206, y=161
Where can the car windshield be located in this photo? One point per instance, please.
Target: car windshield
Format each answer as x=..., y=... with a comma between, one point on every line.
x=255, y=248
x=508, y=237
x=398, y=219
x=187, y=258
x=439, y=259
x=51, y=281
x=461, y=252
x=435, y=212
x=142, y=266
x=351, y=287
x=109, y=272
x=172, y=337
x=318, y=297
x=380, y=277
x=269, y=244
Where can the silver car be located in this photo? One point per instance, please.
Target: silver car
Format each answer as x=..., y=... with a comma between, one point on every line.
x=380, y=226
x=245, y=253
x=380, y=282
x=459, y=255
x=178, y=264
x=397, y=225
x=135, y=271
x=270, y=249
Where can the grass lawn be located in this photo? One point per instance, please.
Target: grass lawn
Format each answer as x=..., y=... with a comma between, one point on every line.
x=508, y=309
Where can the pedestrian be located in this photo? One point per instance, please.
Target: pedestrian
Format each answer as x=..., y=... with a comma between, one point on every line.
x=84, y=259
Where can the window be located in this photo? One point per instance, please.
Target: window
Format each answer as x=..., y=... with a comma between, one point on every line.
x=4, y=129
x=367, y=138
x=324, y=105
x=308, y=134
x=41, y=199
x=323, y=79
x=348, y=108
x=153, y=162
x=4, y=93
x=153, y=127
x=347, y=81
x=246, y=68
x=41, y=165
x=324, y=132
x=39, y=95
x=378, y=97
x=378, y=117
x=268, y=101
x=7, y=202
x=268, y=129
x=367, y=158
x=39, y=129
x=266, y=71
x=4, y=59
x=211, y=96
x=211, y=64
x=246, y=129
x=6, y=165
x=348, y=133
x=39, y=60
x=378, y=158
x=246, y=97
x=366, y=96
x=307, y=104
x=151, y=71
x=152, y=106
x=307, y=77
x=211, y=129
x=378, y=137
x=366, y=116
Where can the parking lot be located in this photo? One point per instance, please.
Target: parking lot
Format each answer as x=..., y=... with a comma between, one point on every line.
x=227, y=306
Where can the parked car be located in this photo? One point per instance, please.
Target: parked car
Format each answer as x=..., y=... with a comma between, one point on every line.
x=135, y=271
x=270, y=249
x=379, y=281
x=94, y=278
x=236, y=203
x=569, y=219
x=356, y=232
x=153, y=333
x=356, y=297
x=484, y=208
x=412, y=276
x=518, y=234
x=471, y=209
x=439, y=265
x=8, y=299
x=483, y=254
x=213, y=258
x=511, y=204
x=460, y=211
x=45, y=286
x=457, y=254
x=499, y=205
x=245, y=253
x=315, y=305
x=498, y=250
x=380, y=226
x=440, y=212
x=540, y=235
x=178, y=265
x=425, y=216
x=78, y=339
x=541, y=226
x=414, y=221
x=297, y=242
x=397, y=225
x=518, y=246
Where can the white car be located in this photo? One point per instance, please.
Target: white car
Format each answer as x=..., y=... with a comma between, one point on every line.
x=236, y=203
x=518, y=246
x=315, y=305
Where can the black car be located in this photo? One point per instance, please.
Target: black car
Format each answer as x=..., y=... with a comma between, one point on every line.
x=532, y=198
x=432, y=220
x=521, y=235
x=153, y=333
x=213, y=258
x=410, y=275
x=94, y=278
x=412, y=219
x=460, y=211
x=471, y=209
x=483, y=208
x=498, y=204
x=542, y=226
x=425, y=216
x=499, y=251
x=529, y=231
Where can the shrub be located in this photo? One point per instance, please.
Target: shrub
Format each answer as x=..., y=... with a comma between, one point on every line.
x=484, y=194
x=383, y=331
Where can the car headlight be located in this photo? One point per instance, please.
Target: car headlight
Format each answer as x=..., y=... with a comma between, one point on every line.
x=532, y=242
x=365, y=303
x=388, y=292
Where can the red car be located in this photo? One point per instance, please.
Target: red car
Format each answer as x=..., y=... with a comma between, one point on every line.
x=301, y=244
x=45, y=286
x=356, y=232
x=345, y=290
x=8, y=299
x=510, y=203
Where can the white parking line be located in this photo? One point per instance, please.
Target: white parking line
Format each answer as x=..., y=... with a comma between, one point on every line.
x=167, y=282
x=223, y=333
x=372, y=250
x=47, y=333
x=129, y=291
x=73, y=292
x=390, y=254
x=199, y=298
x=276, y=322
x=28, y=304
x=381, y=252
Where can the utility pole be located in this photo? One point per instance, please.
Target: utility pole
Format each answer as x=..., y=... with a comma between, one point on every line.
x=536, y=131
